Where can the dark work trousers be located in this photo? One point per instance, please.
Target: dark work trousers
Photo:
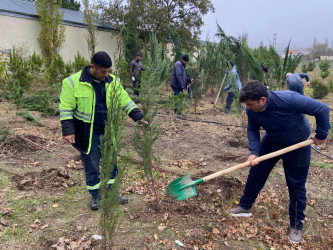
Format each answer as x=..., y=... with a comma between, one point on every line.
x=136, y=86
x=91, y=166
x=296, y=166
x=176, y=92
x=230, y=99
x=299, y=88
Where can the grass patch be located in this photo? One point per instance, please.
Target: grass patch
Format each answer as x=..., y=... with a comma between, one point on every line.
x=4, y=181
x=322, y=165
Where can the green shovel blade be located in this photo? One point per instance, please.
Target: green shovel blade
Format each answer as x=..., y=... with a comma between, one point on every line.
x=183, y=188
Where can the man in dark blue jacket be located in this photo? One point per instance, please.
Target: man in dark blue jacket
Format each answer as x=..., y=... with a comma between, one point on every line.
x=294, y=82
x=179, y=78
x=281, y=114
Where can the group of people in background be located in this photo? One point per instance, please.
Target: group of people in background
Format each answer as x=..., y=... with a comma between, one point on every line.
x=180, y=81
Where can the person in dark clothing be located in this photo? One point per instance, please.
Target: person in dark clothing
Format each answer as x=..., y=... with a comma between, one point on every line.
x=281, y=114
x=264, y=71
x=294, y=82
x=179, y=78
x=136, y=68
x=84, y=102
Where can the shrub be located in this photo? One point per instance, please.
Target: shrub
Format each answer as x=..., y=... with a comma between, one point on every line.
x=42, y=102
x=324, y=68
x=56, y=71
x=18, y=70
x=35, y=63
x=28, y=116
x=79, y=62
x=319, y=89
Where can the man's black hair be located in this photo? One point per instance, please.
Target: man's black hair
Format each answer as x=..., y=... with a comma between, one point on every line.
x=185, y=58
x=101, y=59
x=137, y=54
x=253, y=90
x=231, y=63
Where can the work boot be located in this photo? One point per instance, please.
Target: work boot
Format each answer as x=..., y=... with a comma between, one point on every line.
x=239, y=212
x=95, y=201
x=295, y=235
x=122, y=199
x=226, y=111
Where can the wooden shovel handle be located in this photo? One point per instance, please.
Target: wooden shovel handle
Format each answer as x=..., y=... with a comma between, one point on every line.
x=259, y=159
x=218, y=94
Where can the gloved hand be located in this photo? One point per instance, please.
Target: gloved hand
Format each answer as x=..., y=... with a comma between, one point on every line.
x=308, y=84
x=225, y=89
x=133, y=78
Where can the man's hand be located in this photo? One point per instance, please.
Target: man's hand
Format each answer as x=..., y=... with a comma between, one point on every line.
x=143, y=121
x=69, y=138
x=317, y=141
x=251, y=160
x=192, y=80
x=308, y=84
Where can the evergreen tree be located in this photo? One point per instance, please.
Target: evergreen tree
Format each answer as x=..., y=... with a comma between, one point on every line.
x=52, y=34
x=152, y=85
x=90, y=19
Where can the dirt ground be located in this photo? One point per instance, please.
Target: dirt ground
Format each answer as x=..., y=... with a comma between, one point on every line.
x=45, y=205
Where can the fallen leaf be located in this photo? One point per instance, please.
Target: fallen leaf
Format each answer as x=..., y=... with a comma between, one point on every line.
x=55, y=205
x=155, y=236
x=311, y=202
x=215, y=231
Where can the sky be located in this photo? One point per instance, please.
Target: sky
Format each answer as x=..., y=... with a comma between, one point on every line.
x=301, y=20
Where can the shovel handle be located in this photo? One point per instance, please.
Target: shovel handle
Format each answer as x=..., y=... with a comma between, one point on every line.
x=218, y=94
x=259, y=159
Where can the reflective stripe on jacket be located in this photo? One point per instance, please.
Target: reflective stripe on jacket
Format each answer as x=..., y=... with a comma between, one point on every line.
x=77, y=106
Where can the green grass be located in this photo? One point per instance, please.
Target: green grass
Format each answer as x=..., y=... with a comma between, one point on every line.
x=323, y=165
x=4, y=181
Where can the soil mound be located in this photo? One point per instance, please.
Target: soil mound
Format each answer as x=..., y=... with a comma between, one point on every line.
x=21, y=144
x=48, y=179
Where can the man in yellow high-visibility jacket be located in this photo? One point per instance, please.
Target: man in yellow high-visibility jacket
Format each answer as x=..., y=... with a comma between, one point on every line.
x=84, y=102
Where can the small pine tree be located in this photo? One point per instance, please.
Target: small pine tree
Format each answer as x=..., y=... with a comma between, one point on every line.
x=79, y=62
x=325, y=68
x=151, y=88
x=110, y=147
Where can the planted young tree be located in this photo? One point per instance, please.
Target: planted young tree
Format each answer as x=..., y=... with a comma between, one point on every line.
x=18, y=75
x=79, y=62
x=325, y=66
x=90, y=19
x=110, y=148
x=151, y=88
x=52, y=33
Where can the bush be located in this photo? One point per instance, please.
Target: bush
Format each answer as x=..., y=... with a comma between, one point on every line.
x=319, y=89
x=42, y=102
x=79, y=62
x=324, y=68
x=35, y=62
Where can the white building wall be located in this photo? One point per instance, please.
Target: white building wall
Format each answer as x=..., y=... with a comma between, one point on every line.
x=23, y=34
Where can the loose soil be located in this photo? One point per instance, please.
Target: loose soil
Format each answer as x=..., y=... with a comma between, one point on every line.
x=45, y=205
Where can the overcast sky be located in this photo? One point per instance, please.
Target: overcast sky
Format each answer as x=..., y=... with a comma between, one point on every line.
x=301, y=20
